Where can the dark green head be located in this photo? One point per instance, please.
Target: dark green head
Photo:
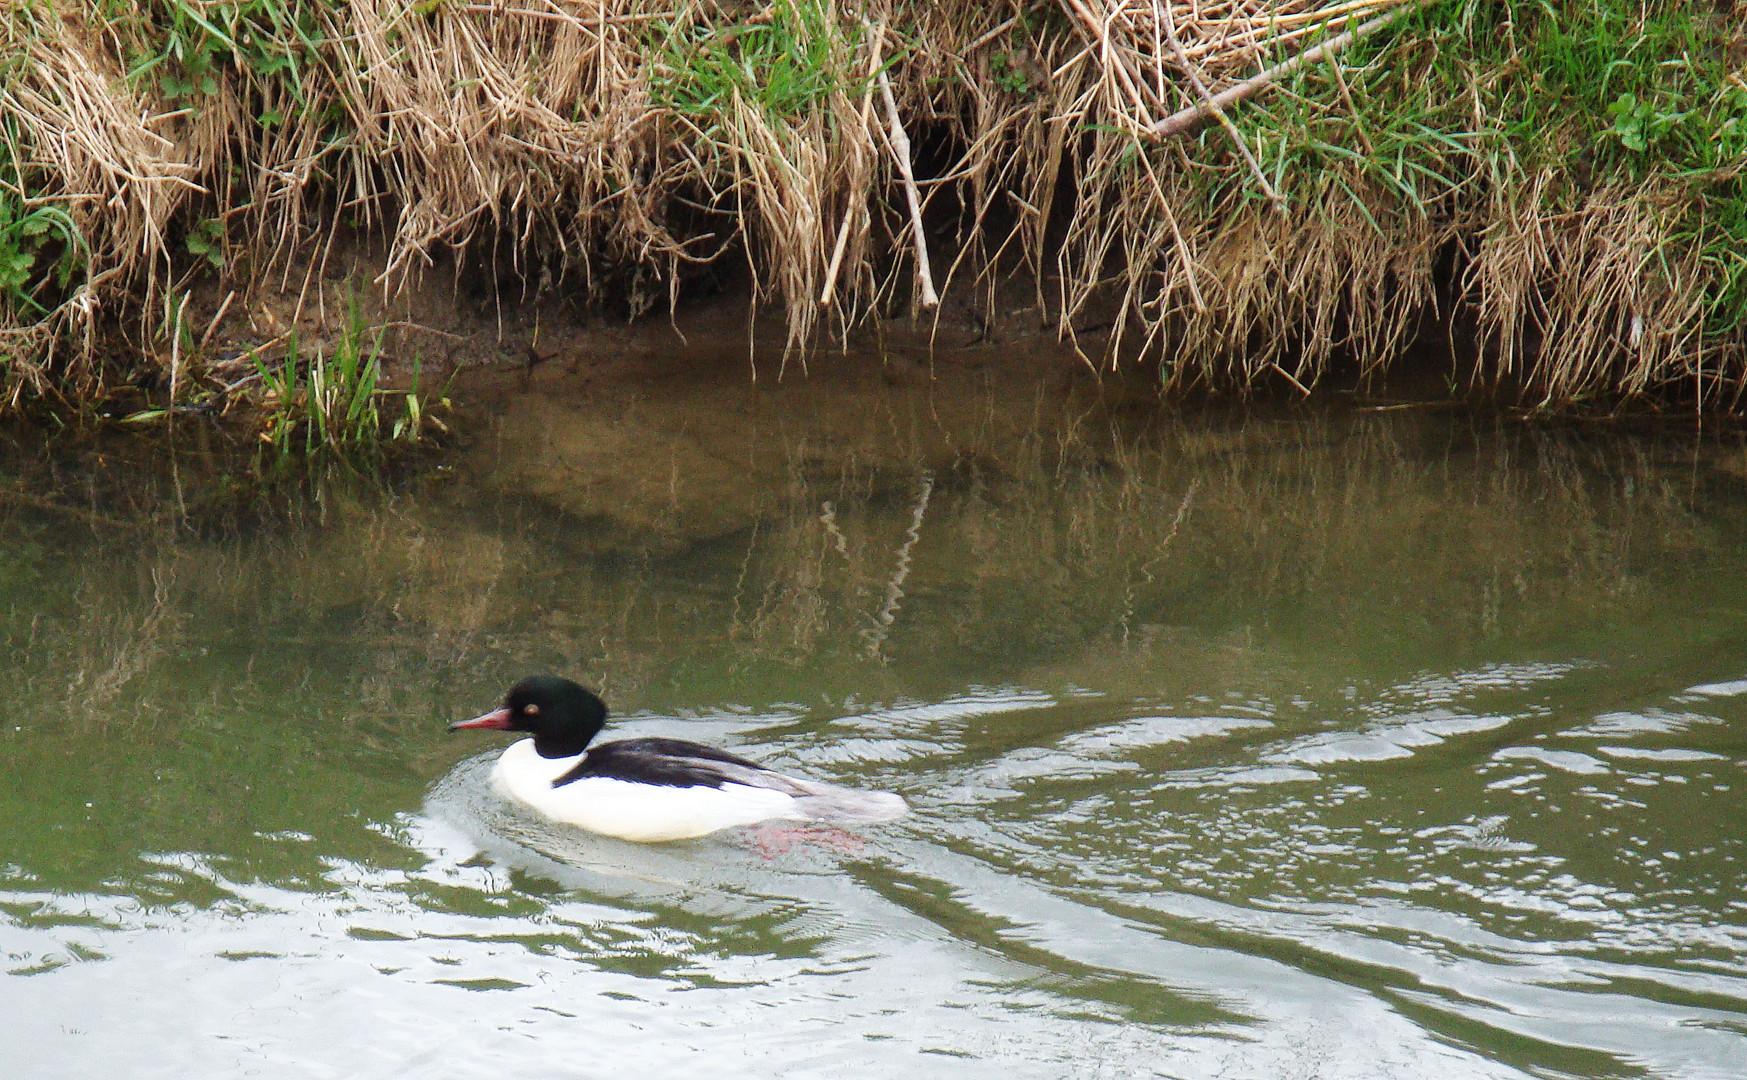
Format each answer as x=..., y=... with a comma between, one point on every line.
x=562, y=716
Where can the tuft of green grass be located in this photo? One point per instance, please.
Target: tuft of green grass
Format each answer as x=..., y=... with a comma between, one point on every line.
x=335, y=401
x=787, y=59
x=194, y=43
x=342, y=388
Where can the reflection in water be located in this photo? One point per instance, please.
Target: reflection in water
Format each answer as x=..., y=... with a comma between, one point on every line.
x=895, y=587
x=1360, y=745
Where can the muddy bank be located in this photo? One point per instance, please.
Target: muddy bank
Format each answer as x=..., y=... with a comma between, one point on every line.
x=1558, y=184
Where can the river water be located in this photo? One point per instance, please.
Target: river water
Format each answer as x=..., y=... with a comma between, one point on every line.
x=1349, y=743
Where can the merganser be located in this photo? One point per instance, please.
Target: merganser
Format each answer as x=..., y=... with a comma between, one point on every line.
x=647, y=790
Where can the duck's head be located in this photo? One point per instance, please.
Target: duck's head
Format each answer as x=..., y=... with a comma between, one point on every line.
x=561, y=715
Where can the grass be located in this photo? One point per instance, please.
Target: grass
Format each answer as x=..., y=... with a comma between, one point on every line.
x=42, y=252
x=1580, y=162
x=184, y=48
x=1563, y=176
x=773, y=111
x=313, y=403
x=785, y=59
x=335, y=401
x=41, y=247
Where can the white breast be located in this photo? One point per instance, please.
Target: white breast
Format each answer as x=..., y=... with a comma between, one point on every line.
x=630, y=811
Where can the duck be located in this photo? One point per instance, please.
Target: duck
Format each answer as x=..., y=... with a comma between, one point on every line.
x=647, y=790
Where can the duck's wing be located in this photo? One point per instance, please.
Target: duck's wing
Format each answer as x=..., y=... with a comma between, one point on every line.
x=675, y=763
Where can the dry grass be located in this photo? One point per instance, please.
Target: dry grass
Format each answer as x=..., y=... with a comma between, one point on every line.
x=563, y=141
x=1607, y=313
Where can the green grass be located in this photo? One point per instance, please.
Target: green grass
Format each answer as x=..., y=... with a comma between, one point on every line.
x=1466, y=96
x=335, y=401
x=1545, y=82
x=788, y=65
x=191, y=45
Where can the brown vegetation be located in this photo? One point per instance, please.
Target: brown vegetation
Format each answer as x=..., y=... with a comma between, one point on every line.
x=617, y=145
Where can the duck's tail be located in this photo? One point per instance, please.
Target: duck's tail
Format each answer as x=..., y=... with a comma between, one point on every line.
x=835, y=805
x=815, y=800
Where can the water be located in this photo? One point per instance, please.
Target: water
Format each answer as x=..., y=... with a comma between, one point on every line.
x=1352, y=744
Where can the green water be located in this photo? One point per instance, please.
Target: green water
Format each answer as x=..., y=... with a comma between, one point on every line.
x=1340, y=744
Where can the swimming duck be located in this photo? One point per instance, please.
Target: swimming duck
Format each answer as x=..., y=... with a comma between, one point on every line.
x=647, y=790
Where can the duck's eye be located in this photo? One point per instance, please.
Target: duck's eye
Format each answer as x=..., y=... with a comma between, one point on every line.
x=531, y=710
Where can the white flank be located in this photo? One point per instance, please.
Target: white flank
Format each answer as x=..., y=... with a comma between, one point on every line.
x=645, y=813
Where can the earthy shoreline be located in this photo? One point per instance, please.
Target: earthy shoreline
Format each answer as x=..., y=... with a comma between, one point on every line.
x=1544, y=192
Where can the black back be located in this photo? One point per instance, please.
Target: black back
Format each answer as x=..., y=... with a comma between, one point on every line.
x=663, y=762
